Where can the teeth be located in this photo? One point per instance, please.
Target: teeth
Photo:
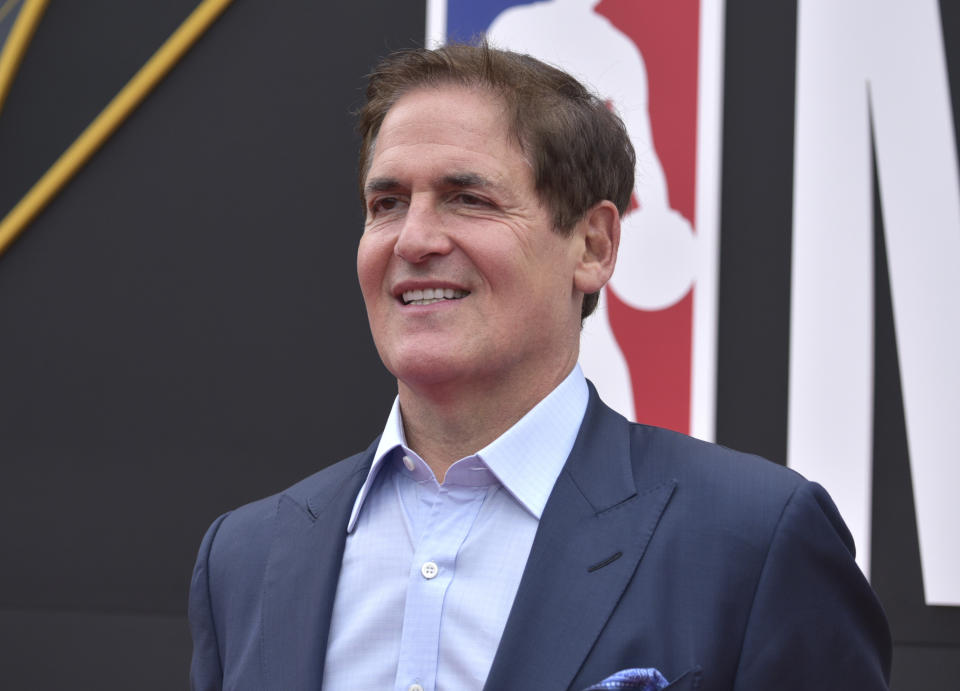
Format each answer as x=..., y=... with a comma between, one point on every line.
x=428, y=296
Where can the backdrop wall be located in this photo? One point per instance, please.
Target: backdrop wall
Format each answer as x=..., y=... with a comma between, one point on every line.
x=181, y=330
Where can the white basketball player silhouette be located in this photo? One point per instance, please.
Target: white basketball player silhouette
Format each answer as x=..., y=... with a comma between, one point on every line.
x=657, y=259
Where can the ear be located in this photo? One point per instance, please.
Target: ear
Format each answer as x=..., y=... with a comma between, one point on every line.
x=599, y=235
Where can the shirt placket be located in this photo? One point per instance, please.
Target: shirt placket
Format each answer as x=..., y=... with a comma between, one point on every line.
x=447, y=513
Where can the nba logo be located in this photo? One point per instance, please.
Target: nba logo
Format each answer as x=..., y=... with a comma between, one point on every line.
x=650, y=347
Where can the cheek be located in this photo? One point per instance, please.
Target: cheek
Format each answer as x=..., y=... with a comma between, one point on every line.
x=372, y=259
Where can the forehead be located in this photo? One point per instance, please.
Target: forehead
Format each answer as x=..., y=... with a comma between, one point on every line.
x=449, y=125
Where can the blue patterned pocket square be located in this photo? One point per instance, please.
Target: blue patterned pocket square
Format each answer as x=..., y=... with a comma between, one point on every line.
x=639, y=679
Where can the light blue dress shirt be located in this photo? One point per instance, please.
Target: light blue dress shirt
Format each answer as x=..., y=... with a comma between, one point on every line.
x=430, y=570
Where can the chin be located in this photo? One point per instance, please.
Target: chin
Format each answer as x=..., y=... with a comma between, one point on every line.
x=418, y=373
x=433, y=368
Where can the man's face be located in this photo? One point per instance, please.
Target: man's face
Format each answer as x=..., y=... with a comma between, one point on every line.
x=466, y=283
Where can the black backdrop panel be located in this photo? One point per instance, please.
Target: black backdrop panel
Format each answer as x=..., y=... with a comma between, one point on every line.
x=181, y=331
x=83, y=650
x=755, y=222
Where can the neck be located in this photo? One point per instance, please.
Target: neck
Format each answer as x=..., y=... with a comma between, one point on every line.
x=446, y=423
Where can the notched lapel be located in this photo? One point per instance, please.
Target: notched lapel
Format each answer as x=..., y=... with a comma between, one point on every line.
x=301, y=581
x=572, y=583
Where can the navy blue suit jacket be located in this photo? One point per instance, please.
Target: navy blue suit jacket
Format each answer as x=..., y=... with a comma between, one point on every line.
x=722, y=570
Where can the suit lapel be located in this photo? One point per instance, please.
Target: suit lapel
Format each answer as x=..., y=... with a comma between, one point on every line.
x=592, y=534
x=302, y=573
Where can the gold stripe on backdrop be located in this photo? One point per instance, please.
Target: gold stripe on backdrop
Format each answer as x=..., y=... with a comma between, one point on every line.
x=98, y=131
x=17, y=40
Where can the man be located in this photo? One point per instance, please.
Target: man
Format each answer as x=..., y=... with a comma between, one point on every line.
x=507, y=530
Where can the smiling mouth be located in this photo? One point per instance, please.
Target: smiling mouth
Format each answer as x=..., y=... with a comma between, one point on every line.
x=430, y=295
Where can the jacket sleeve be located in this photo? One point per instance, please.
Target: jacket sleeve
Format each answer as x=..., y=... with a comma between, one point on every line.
x=815, y=622
x=206, y=669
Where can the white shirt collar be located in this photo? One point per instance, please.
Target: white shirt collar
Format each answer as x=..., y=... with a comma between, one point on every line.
x=526, y=459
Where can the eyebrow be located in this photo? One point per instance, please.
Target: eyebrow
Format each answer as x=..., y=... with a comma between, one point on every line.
x=453, y=180
x=381, y=185
x=465, y=180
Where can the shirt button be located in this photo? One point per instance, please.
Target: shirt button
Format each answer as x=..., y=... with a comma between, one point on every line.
x=429, y=570
x=408, y=462
x=414, y=687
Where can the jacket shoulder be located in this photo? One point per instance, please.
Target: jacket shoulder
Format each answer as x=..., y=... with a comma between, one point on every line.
x=686, y=458
x=729, y=491
x=249, y=526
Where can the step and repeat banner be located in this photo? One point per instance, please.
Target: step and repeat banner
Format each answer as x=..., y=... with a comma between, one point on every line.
x=181, y=325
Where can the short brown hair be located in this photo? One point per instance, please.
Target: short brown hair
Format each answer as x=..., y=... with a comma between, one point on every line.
x=579, y=149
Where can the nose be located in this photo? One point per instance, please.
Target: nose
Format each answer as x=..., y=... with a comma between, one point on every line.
x=423, y=234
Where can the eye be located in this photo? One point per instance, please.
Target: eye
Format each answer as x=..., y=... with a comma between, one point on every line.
x=468, y=199
x=384, y=204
